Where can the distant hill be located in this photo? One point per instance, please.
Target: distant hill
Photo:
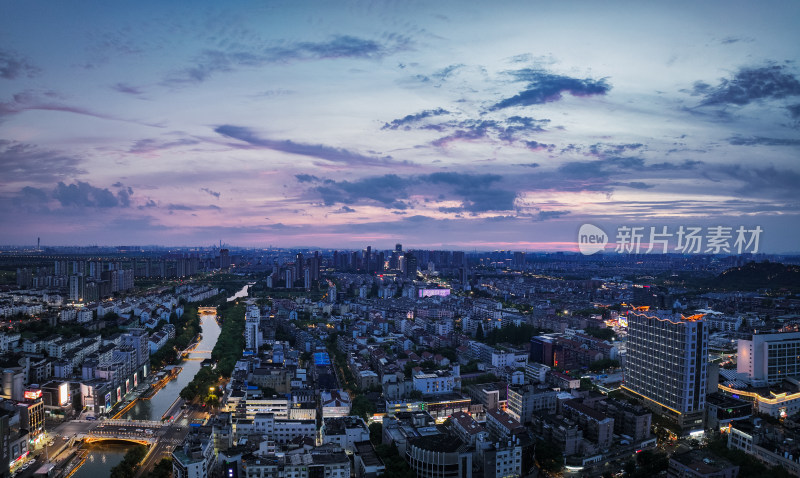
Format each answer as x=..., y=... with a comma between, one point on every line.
x=758, y=275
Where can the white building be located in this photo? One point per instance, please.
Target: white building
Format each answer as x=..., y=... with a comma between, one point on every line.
x=251, y=329
x=769, y=358
x=335, y=403
x=434, y=383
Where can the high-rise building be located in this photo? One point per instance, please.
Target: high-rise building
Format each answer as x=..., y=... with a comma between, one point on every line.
x=666, y=365
x=299, y=263
x=411, y=265
x=767, y=359
x=252, y=320
x=77, y=287
x=224, y=259
x=519, y=260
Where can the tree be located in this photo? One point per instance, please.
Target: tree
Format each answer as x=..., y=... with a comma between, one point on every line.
x=479, y=332
x=163, y=469
x=549, y=456
x=376, y=433
x=362, y=407
x=602, y=334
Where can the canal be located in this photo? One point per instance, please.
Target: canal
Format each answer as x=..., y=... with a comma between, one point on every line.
x=104, y=456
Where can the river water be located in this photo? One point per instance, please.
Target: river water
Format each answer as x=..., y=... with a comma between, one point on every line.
x=104, y=456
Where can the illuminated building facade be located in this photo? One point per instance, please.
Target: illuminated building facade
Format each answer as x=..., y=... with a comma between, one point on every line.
x=666, y=365
x=769, y=358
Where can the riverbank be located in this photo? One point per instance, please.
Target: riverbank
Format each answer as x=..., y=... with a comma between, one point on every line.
x=163, y=403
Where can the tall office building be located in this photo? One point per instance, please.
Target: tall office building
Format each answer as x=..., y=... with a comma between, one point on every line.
x=299, y=264
x=666, y=365
x=411, y=265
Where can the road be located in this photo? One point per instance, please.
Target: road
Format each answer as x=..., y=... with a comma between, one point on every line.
x=171, y=436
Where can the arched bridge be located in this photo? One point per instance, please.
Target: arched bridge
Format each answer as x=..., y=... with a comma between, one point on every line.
x=139, y=431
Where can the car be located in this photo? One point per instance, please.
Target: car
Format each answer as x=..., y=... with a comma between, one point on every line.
x=91, y=418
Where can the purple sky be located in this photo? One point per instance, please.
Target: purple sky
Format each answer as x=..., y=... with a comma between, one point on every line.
x=435, y=124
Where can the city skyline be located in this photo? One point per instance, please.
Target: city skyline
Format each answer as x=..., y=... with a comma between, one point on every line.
x=446, y=125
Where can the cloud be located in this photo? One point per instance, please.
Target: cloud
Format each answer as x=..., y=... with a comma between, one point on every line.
x=46, y=101
x=344, y=210
x=545, y=215
x=387, y=191
x=306, y=178
x=750, y=84
x=760, y=140
x=686, y=165
x=507, y=130
x=149, y=145
x=13, y=66
x=29, y=163
x=794, y=110
x=537, y=146
x=327, y=153
x=82, y=194
x=544, y=87
x=127, y=89
x=768, y=181
x=212, y=61
x=476, y=192
x=213, y=193
x=414, y=118
x=635, y=185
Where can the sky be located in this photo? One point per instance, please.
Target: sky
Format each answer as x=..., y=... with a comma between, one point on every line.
x=446, y=124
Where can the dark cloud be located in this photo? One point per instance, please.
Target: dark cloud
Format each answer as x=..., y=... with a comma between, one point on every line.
x=529, y=165
x=406, y=121
x=26, y=162
x=545, y=215
x=327, y=153
x=476, y=192
x=751, y=84
x=507, y=130
x=686, y=165
x=32, y=199
x=212, y=61
x=81, y=194
x=13, y=66
x=762, y=141
x=614, y=149
x=537, y=146
x=209, y=191
x=344, y=210
x=545, y=87
x=768, y=181
x=794, y=110
x=636, y=185
x=179, y=207
x=306, y=178
x=340, y=46
x=387, y=191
